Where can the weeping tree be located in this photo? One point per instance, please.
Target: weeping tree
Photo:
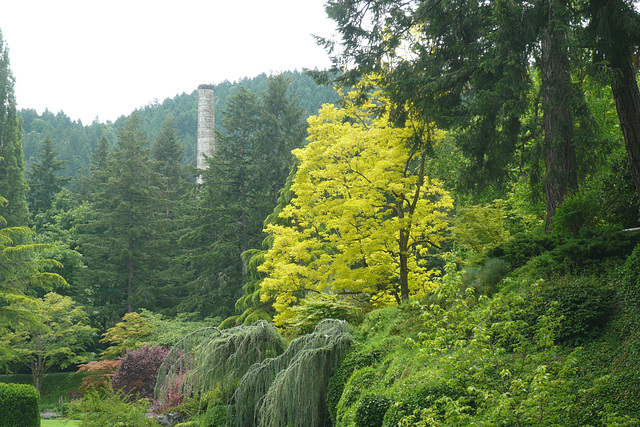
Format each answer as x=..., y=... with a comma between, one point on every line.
x=272, y=387
x=210, y=359
x=291, y=389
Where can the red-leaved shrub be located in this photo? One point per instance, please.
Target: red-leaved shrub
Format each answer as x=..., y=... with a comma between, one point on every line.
x=138, y=369
x=97, y=374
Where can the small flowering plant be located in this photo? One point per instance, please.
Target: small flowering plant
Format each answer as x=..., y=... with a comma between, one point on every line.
x=49, y=415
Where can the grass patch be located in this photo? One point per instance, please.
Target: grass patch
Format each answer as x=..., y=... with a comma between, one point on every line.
x=57, y=423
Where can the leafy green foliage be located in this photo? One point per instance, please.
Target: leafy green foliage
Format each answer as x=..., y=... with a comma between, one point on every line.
x=19, y=405
x=128, y=334
x=105, y=408
x=484, y=278
x=584, y=303
x=23, y=272
x=480, y=228
x=483, y=362
x=314, y=309
x=544, y=255
x=371, y=410
x=59, y=339
x=363, y=215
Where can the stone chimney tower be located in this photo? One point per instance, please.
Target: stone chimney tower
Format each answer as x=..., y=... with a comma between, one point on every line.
x=206, y=126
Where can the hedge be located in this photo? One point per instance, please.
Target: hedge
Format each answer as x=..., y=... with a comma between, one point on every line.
x=19, y=405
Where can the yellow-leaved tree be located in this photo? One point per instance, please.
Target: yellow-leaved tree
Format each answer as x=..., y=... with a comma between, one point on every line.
x=363, y=213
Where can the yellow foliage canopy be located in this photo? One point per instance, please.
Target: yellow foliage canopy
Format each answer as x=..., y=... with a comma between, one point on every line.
x=363, y=213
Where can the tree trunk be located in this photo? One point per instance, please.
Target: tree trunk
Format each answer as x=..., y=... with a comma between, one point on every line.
x=130, y=267
x=557, y=92
x=37, y=371
x=627, y=96
x=404, y=265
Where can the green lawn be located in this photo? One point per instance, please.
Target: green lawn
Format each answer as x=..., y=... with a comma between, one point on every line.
x=57, y=423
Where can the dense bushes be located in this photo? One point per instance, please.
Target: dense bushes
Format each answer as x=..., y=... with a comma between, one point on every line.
x=584, y=304
x=487, y=361
x=103, y=408
x=136, y=374
x=19, y=405
x=558, y=254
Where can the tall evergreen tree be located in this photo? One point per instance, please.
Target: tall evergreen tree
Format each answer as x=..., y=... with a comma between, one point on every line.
x=281, y=131
x=89, y=183
x=44, y=182
x=119, y=243
x=169, y=153
x=467, y=65
x=232, y=205
x=614, y=30
x=176, y=191
x=13, y=185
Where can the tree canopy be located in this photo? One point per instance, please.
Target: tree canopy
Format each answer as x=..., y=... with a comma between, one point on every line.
x=363, y=215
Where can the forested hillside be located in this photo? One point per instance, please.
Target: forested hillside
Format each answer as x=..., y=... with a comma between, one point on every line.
x=75, y=141
x=449, y=238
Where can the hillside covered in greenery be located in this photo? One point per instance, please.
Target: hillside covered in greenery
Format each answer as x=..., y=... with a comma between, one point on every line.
x=450, y=237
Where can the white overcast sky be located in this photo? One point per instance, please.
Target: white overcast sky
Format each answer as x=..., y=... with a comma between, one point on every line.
x=106, y=58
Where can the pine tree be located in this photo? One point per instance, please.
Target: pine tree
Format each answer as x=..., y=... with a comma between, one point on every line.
x=44, y=183
x=13, y=185
x=228, y=217
x=281, y=131
x=614, y=31
x=119, y=241
x=169, y=153
x=469, y=66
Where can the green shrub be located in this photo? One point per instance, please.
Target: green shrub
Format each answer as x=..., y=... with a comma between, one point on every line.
x=576, y=213
x=371, y=409
x=355, y=360
x=584, y=303
x=629, y=293
x=100, y=408
x=485, y=278
x=216, y=416
x=545, y=255
x=19, y=405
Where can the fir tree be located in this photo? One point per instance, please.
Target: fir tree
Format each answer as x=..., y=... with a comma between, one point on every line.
x=119, y=241
x=44, y=183
x=281, y=131
x=13, y=185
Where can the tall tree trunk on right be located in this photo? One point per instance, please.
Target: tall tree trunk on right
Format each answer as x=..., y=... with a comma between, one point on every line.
x=627, y=96
x=614, y=31
x=557, y=93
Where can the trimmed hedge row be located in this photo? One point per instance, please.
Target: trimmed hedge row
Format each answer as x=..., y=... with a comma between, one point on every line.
x=19, y=405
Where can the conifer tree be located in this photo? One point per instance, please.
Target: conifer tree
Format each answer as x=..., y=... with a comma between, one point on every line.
x=281, y=131
x=228, y=217
x=119, y=241
x=13, y=185
x=169, y=153
x=475, y=76
x=23, y=272
x=614, y=31
x=44, y=183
